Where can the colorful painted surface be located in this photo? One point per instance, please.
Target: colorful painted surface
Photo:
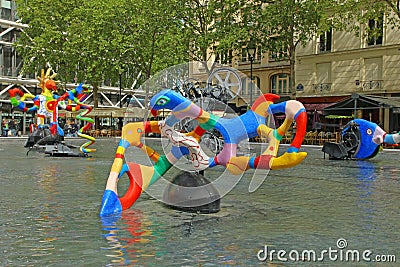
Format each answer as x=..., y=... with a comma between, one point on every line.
x=250, y=124
x=48, y=103
x=370, y=137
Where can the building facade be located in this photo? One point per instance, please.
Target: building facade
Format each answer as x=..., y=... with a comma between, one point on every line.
x=335, y=66
x=339, y=64
x=269, y=72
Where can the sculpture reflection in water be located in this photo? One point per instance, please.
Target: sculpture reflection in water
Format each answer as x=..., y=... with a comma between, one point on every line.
x=122, y=248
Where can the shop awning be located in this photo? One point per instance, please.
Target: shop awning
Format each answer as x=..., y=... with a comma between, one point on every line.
x=338, y=117
x=105, y=112
x=316, y=106
x=134, y=112
x=361, y=102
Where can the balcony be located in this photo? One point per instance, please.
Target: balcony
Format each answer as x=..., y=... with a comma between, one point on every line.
x=322, y=87
x=371, y=85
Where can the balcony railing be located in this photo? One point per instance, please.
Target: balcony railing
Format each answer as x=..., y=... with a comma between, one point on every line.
x=371, y=85
x=321, y=87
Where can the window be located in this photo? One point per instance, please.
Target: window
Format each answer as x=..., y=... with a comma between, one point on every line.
x=225, y=58
x=280, y=84
x=258, y=54
x=254, y=89
x=7, y=36
x=6, y=13
x=7, y=61
x=325, y=41
x=375, y=31
x=323, y=77
x=373, y=74
x=6, y=4
x=280, y=55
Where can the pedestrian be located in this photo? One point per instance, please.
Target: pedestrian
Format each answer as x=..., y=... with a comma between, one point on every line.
x=19, y=128
x=12, y=128
x=4, y=127
x=67, y=129
x=75, y=129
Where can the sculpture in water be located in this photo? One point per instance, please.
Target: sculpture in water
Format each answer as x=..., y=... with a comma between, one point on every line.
x=360, y=139
x=47, y=104
x=251, y=124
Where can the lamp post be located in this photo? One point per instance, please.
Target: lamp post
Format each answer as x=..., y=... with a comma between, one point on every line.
x=122, y=67
x=120, y=89
x=251, y=51
x=1, y=117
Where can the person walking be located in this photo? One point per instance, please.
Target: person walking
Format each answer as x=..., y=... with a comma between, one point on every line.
x=12, y=128
x=4, y=127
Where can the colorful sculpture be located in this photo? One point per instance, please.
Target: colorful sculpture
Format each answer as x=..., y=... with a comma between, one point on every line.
x=48, y=102
x=248, y=125
x=360, y=139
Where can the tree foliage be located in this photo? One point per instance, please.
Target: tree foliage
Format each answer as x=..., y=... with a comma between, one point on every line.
x=355, y=13
x=211, y=27
x=96, y=40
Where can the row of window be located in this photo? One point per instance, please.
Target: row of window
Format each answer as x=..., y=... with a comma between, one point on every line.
x=374, y=37
x=279, y=85
x=226, y=58
x=371, y=71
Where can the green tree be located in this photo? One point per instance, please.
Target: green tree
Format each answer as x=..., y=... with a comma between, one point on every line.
x=211, y=28
x=98, y=40
x=282, y=25
x=44, y=40
x=394, y=6
x=363, y=10
x=153, y=41
x=351, y=14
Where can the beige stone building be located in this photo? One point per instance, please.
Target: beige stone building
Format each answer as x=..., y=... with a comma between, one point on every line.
x=359, y=73
x=341, y=65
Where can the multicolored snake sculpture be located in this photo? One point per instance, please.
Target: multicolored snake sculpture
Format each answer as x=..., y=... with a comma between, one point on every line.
x=249, y=125
x=48, y=102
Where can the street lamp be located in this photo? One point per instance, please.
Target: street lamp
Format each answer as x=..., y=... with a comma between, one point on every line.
x=122, y=68
x=1, y=115
x=251, y=51
x=120, y=89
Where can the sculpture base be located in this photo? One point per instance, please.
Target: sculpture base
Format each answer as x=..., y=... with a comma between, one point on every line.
x=191, y=192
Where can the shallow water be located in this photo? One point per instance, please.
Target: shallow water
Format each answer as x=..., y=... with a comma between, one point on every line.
x=49, y=214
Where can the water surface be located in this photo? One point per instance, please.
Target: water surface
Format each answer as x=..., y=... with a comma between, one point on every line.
x=49, y=214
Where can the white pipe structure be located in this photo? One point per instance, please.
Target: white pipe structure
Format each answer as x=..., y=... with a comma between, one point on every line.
x=13, y=24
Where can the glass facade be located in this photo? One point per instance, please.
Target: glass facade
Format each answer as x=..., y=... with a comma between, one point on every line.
x=10, y=63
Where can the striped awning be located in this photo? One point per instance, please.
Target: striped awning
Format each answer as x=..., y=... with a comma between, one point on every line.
x=134, y=112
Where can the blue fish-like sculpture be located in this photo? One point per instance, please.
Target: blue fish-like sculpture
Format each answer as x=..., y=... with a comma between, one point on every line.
x=360, y=139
